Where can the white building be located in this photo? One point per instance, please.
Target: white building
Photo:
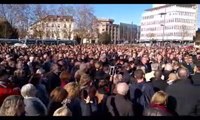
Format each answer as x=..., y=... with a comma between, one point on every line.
x=169, y=22
x=53, y=27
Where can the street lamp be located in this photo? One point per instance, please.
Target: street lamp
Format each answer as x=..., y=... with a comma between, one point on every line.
x=163, y=23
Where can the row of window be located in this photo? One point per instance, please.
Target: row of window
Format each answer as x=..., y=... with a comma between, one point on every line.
x=168, y=21
x=177, y=34
x=171, y=13
x=148, y=17
x=176, y=27
x=55, y=25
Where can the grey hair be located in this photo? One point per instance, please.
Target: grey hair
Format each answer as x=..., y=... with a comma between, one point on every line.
x=122, y=88
x=28, y=90
x=11, y=105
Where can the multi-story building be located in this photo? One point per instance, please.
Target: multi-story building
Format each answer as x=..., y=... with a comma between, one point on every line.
x=53, y=27
x=106, y=25
x=198, y=16
x=128, y=32
x=169, y=22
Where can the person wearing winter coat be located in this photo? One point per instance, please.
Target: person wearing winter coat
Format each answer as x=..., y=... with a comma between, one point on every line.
x=57, y=96
x=119, y=105
x=158, y=105
x=33, y=105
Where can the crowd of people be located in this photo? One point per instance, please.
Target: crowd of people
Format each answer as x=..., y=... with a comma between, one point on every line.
x=99, y=80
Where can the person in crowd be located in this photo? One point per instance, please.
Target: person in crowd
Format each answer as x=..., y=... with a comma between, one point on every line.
x=188, y=63
x=33, y=105
x=172, y=78
x=140, y=92
x=41, y=89
x=73, y=101
x=13, y=105
x=102, y=95
x=82, y=70
x=158, y=105
x=119, y=105
x=65, y=78
x=157, y=82
x=53, y=79
x=89, y=102
x=183, y=94
x=150, y=75
x=57, y=96
x=167, y=70
x=62, y=111
x=6, y=86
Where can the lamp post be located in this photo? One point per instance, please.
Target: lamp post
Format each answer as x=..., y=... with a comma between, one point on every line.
x=163, y=14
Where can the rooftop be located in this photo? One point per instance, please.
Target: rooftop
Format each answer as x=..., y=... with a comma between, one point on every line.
x=168, y=5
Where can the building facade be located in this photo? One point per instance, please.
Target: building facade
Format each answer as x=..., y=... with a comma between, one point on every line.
x=53, y=27
x=128, y=32
x=106, y=25
x=169, y=22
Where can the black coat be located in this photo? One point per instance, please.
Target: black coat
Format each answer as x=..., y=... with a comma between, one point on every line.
x=53, y=106
x=159, y=85
x=75, y=107
x=119, y=106
x=196, y=83
x=89, y=109
x=53, y=81
x=182, y=97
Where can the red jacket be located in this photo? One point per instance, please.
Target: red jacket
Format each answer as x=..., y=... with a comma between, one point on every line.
x=7, y=90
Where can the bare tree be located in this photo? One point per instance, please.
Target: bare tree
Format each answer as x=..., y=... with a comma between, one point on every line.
x=84, y=20
x=66, y=10
x=38, y=32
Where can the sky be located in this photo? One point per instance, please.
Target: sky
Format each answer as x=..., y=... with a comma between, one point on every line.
x=126, y=13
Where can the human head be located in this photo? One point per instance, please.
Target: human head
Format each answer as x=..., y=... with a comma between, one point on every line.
x=85, y=80
x=35, y=79
x=158, y=74
x=159, y=98
x=62, y=111
x=122, y=88
x=12, y=106
x=72, y=90
x=139, y=74
x=55, y=68
x=65, y=76
x=154, y=66
x=58, y=94
x=172, y=77
x=28, y=90
x=183, y=73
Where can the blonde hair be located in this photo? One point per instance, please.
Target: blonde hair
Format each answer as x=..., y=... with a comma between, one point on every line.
x=160, y=98
x=11, y=105
x=72, y=90
x=62, y=111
